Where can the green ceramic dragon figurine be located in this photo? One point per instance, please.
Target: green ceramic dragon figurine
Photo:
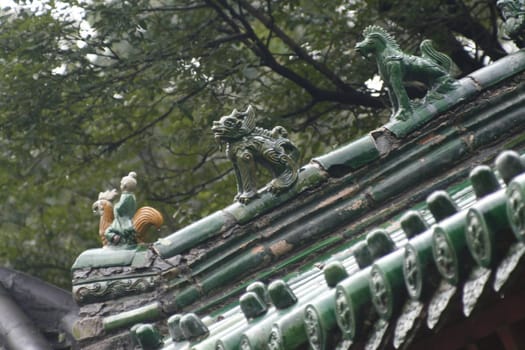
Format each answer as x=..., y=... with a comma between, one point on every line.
x=247, y=145
x=432, y=68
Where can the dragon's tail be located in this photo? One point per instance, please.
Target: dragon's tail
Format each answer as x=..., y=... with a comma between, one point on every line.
x=428, y=51
x=144, y=217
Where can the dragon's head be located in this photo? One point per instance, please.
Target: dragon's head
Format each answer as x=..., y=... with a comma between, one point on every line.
x=375, y=40
x=234, y=126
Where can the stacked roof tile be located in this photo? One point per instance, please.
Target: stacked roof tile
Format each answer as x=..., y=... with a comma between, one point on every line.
x=386, y=294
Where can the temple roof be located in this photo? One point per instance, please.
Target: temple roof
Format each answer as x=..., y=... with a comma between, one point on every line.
x=319, y=281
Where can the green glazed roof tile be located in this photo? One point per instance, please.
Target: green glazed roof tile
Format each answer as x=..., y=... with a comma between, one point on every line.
x=427, y=112
x=310, y=176
x=214, y=224
x=500, y=70
x=357, y=153
x=106, y=257
x=284, y=327
x=193, y=234
x=469, y=86
x=128, y=318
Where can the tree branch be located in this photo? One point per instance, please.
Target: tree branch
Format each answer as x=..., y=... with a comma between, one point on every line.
x=301, y=110
x=473, y=30
x=226, y=39
x=114, y=145
x=173, y=8
x=176, y=197
x=297, y=49
x=348, y=96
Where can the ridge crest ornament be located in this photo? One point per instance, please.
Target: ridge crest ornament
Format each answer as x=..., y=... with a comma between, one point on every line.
x=248, y=145
x=104, y=290
x=432, y=68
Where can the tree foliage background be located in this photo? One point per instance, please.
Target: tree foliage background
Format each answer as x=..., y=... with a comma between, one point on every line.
x=91, y=90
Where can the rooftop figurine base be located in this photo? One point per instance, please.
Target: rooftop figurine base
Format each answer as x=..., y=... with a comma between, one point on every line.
x=116, y=271
x=125, y=255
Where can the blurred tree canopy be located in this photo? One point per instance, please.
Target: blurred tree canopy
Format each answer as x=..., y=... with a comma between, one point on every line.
x=91, y=90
